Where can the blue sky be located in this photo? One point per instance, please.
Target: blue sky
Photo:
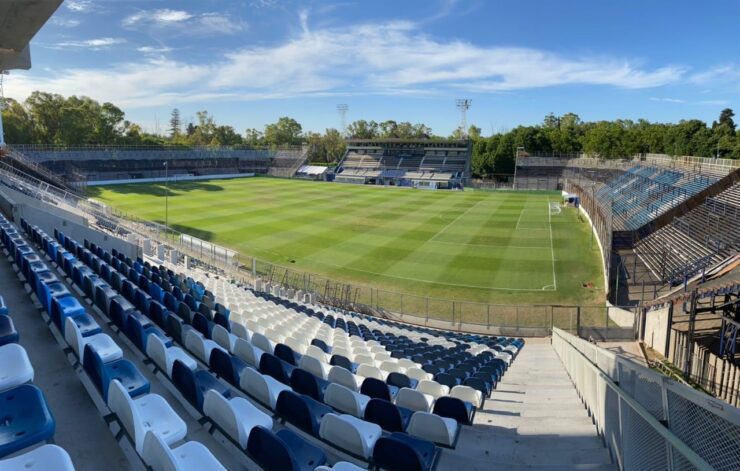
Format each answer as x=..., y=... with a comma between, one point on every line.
x=249, y=62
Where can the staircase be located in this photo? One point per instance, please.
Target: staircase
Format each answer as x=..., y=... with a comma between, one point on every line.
x=21, y=162
x=534, y=420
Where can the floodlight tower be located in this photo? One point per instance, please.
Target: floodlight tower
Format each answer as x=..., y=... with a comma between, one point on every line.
x=342, y=110
x=463, y=105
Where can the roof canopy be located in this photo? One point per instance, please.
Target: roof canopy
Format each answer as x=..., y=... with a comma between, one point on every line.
x=20, y=20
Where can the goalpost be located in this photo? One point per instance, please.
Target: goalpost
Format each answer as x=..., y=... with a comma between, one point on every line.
x=555, y=208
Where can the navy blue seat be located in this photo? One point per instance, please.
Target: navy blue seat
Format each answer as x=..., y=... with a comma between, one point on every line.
x=400, y=380
x=389, y=416
x=206, y=311
x=226, y=366
x=176, y=328
x=304, y=382
x=120, y=309
x=480, y=384
x=287, y=354
x=454, y=408
x=402, y=452
x=3, y=307
x=202, y=324
x=273, y=366
x=447, y=380
x=101, y=374
x=194, y=384
x=26, y=419
x=340, y=360
x=158, y=314
x=184, y=312
x=301, y=411
x=283, y=451
x=222, y=320
x=8, y=333
x=322, y=345
x=376, y=388
x=138, y=330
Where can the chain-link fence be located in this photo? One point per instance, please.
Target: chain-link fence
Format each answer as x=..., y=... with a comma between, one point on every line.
x=648, y=421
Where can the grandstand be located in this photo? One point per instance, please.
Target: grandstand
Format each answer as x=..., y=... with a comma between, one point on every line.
x=420, y=163
x=119, y=352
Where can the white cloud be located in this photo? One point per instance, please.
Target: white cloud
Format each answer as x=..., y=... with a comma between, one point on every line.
x=726, y=73
x=390, y=59
x=183, y=22
x=667, y=100
x=96, y=43
x=79, y=5
x=153, y=50
x=686, y=102
x=65, y=22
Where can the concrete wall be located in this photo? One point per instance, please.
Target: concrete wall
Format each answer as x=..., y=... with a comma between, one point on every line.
x=49, y=217
x=172, y=178
x=656, y=329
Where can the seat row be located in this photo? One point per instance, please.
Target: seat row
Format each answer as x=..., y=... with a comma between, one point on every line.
x=235, y=416
x=152, y=426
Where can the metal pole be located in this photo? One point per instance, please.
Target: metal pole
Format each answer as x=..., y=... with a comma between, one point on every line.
x=166, y=198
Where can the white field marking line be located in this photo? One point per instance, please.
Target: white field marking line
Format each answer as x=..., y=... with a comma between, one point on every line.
x=521, y=213
x=552, y=249
x=460, y=285
x=486, y=245
x=454, y=221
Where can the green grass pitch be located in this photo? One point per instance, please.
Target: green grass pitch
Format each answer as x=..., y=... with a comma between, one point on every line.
x=490, y=247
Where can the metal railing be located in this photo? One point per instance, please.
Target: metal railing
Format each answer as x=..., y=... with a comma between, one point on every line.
x=648, y=421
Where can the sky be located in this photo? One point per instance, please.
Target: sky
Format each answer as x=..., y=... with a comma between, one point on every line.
x=249, y=62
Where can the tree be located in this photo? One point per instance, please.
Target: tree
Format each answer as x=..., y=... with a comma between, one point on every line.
x=725, y=119
x=175, y=122
x=253, y=137
x=362, y=129
x=286, y=131
x=17, y=123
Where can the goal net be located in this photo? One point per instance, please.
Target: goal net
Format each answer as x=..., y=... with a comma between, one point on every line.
x=554, y=208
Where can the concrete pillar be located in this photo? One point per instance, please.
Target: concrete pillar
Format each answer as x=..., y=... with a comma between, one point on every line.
x=174, y=256
x=188, y=263
x=147, y=246
x=160, y=251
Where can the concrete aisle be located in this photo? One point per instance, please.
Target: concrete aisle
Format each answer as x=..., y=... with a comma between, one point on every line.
x=533, y=420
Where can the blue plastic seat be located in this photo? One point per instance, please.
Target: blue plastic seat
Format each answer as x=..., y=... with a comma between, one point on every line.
x=286, y=353
x=340, y=360
x=447, y=380
x=26, y=419
x=301, y=411
x=63, y=307
x=138, y=331
x=402, y=452
x=101, y=374
x=304, y=382
x=222, y=320
x=120, y=309
x=480, y=384
x=8, y=334
x=158, y=314
x=3, y=307
x=202, y=325
x=226, y=366
x=43, y=278
x=273, y=366
x=283, y=451
x=194, y=384
x=322, y=345
x=454, y=408
x=400, y=380
x=389, y=416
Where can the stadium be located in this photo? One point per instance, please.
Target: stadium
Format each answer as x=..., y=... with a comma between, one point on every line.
x=245, y=307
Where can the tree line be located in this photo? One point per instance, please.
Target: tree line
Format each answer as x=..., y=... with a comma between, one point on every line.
x=45, y=118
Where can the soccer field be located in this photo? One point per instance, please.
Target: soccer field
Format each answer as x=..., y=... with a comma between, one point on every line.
x=491, y=247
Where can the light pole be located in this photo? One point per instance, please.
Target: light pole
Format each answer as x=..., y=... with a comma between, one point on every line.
x=166, y=198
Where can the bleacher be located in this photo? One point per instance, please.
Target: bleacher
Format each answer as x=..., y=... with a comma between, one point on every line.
x=381, y=393
x=700, y=238
x=405, y=162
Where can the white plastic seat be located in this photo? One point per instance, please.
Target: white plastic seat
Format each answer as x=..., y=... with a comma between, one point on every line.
x=319, y=354
x=468, y=394
x=350, y=433
x=164, y=357
x=342, y=376
x=345, y=400
x=297, y=345
x=441, y=430
x=15, y=367
x=414, y=400
x=188, y=456
x=247, y=352
x=433, y=388
x=391, y=367
x=262, y=342
x=43, y=458
x=418, y=374
x=314, y=366
x=240, y=330
x=236, y=416
x=368, y=371
x=150, y=412
x=265, y=389
x=381, y=357
x=223, y=337
x=364, y=360
x=199, y=346
x=106, y=347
